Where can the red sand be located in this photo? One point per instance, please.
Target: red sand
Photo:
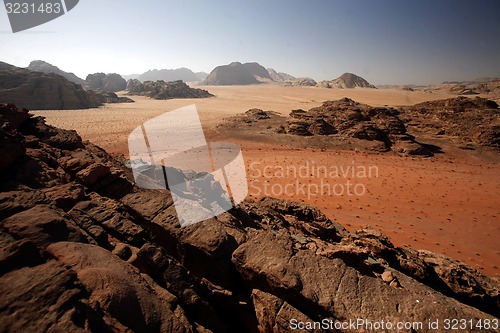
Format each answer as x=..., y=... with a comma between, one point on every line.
x=447, y=204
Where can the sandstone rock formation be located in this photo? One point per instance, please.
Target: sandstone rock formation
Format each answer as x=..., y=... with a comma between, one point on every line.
x=279, y=76
x=289, y=80
x=348, y=118
x=233, y=74
x=48, y=91
x=41, y=91
x=165, y=90
x=258, y=71
x=45, y=67
x=301, y=81
x=83, y=250
x=105, y=82
x=346, y=80
x=469, y=121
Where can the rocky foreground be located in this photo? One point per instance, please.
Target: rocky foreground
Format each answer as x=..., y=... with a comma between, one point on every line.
x=83, y=249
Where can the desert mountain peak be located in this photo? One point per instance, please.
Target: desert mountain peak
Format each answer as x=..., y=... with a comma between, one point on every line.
x=45, y=67
x=346, y=80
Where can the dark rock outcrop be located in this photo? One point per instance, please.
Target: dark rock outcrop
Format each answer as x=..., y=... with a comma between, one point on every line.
x=346, y=80
x=82, y=250
x=45, y=67
x=165, y=90
x=42, y=91
x=352, y=119
x=105, y=82
x=467, y=120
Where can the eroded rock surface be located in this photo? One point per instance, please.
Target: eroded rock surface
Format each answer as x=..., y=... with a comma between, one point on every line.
x=83, y=249
x=165, y=90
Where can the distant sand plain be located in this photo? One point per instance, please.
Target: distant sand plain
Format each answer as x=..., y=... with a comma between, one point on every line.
x=445, y=204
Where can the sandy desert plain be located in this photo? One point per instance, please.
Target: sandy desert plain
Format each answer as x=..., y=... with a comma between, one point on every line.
x=447, y=203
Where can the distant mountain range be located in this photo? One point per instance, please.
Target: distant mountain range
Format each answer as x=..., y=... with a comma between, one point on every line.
x=167, y=75
x=237, y=73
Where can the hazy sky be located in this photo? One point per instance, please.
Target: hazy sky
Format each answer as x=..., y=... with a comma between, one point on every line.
x=386, y=42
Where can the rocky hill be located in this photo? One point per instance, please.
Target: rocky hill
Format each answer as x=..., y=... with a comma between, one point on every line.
x=45, y=67
x=105, y=82
x=258, y=71
x=470, y=121
x=300, y=82
x=165, y=90
x=233, y=74
x=41, y=91
x=48, y=91
x=237, y=73
x=279, y=76
x=356, y=120
x=289, y=80
x=84, y=250
x=346, y=81
x=341, y=124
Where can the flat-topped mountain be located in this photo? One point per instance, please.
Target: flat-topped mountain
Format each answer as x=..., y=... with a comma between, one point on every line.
x=346, y=80
x=45, y=67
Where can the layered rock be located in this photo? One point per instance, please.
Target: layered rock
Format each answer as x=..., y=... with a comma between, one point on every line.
x=105, y=82
x=165, y=90
x=346, y=80
x=85, y=251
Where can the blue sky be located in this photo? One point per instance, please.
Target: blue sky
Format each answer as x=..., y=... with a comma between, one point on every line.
x=386, y=42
